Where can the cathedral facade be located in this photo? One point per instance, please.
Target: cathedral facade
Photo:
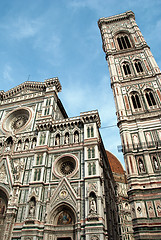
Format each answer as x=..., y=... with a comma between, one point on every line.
x=136, y=85
x=55, y=179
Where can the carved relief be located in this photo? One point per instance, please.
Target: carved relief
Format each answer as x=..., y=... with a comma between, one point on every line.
x=92, y=204
x=92, y=187
x=150, y=209
x=18, y=168
x=3, y=175
x=158, y=207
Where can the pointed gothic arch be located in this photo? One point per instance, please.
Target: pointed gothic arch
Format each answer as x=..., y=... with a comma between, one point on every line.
x=150, y=97
x=3, y=208
x=123, y=40
x=135, y=100
x=62, y=222
x=126, y=68
x=138, y=66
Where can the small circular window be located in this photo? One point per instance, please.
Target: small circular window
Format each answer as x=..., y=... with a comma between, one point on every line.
x=65, y=166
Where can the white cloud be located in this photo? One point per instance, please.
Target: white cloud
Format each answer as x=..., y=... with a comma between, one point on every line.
x=21, y=28
x=7, y=73
x=24, y=28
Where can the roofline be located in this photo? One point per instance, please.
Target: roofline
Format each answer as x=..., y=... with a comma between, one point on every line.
x=32, y=85
x=116, y=18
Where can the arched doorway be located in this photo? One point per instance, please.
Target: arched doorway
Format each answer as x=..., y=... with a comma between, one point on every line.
x=61, y=225
x=3, y=208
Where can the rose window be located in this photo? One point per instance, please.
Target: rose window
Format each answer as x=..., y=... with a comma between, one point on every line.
x=17, y=119
x=67, y=167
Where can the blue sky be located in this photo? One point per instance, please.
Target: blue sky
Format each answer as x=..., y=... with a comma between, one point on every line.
x=60, y=38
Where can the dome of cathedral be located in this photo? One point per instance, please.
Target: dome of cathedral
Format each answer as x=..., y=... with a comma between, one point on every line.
x=115, y=164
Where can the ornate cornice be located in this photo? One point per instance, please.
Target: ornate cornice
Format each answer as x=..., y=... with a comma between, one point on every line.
x=116, y=18
x=91, y=116
x=51, y=82
x=33, y=86
x=84, y=118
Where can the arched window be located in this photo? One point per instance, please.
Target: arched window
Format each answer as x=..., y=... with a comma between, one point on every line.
x=150, y=98
x=90, y=132
x=47, y=111
x=9, y=144
x=37, y=174
x=89, y=169
x=91, y=152
x=135, y=100
x=94, y=168
x=138, y=66
x=126, y=68
x=39, y=159
x=48, y=102
x=123, y=42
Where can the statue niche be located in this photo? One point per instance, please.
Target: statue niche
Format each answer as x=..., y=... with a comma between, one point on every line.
x=32, y=208
x=92, y=206
x=9, y=144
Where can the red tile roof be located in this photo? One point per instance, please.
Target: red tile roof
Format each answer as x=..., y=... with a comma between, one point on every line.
x=115, y=164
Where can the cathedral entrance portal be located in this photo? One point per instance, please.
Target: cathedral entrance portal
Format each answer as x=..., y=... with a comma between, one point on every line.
x=61, y=224
x=3, y=207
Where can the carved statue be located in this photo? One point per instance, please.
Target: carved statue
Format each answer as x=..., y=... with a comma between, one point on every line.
x=3, y=175
x=141, y=166
x=33, y=143
x=8, y=147
x=19, y=146
x=92, y=205
x=18, y=167
x=76, y=138
x=26, y=147
x=66, y=139
x=156, y=163
x=32, y=206
x=57, y=141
